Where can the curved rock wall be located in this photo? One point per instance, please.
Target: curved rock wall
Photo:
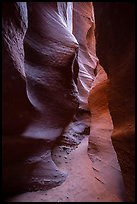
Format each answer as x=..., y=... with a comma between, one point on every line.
x=49, y=68
x=50, y=51
x=83, y=16
x=40, y=88
x=14, y=25
x=39, y=92
x=100, y=148
x=115, y=49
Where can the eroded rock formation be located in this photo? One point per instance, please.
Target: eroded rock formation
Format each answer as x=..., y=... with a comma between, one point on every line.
x=31, y=125
x=44, y=85
x=87, y=60
x=115, y=49
x=100, y=148
x=49, y=71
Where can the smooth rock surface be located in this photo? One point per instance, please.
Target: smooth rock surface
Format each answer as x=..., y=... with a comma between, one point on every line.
x=115, y=36
x=49, y=70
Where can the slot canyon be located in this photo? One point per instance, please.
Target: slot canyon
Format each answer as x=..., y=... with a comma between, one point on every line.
x=68, y=110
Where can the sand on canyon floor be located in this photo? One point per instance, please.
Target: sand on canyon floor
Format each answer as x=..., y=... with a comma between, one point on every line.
x=84, y=182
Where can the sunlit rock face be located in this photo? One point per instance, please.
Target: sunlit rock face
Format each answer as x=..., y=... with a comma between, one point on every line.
x=87, y=61
x=50, y=51
x=115, y=49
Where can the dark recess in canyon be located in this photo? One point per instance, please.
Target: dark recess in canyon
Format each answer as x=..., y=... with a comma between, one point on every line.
x=115, y=36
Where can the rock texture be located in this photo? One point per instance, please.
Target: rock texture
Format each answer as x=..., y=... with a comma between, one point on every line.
x=40, y=100
x=115, y=49
x=98, y=170
x=83, y=183
x=16, y=106
x=42, y=66
x=49, y=71
x=100, y=148
x=87, y=60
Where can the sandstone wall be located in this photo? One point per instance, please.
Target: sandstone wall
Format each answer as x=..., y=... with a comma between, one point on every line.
x=49, y=66
x=41, y=60
x=39, y=94
x=115, y=50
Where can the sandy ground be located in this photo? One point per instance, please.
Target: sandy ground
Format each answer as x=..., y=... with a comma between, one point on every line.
x=93, y=172
x=83, y=183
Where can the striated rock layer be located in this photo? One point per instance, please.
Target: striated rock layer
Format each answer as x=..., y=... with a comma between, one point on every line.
x=40, y=100
x=16, y=106
x=49, y=71
x=115, y=49
x=100, y=148
x=87, y=60
x=98, y=170
x=41, y=86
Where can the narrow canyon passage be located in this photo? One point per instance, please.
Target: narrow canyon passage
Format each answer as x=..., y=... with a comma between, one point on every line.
x=97, y=179
x=87, y=158
x=68, y=111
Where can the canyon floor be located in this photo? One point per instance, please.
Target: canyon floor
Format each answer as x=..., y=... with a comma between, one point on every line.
x=90, y=178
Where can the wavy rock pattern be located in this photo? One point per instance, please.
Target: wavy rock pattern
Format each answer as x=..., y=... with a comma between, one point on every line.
x=31, y=126
x=49, y=71
x=116, y=51
x=48, y=77
x=87, y=59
